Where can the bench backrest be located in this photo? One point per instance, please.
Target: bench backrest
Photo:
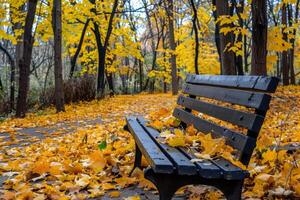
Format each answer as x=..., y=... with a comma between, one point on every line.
x=247, y=91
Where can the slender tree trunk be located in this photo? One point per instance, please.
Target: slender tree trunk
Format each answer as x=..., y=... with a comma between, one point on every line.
x=246, y=55
x=12, y=77
x=1, y=85
x=102, y=48
x=195, y=28
x=259, y=37
x=141, y=72
x=74, y=58
x=217, y=33
x=292, y=41
x=110, y=81
x=172, y=44
x=153, y=46
x=18, y=55
x=57, y=29
x=101, y=72
x=227, y=57
x=284, y=55
x=24, y=63
x=239, y=58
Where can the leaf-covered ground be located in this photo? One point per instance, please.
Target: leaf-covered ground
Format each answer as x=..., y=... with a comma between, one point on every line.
x=95, y=159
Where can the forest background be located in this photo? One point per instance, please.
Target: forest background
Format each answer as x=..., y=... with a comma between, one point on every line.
x=56, y=52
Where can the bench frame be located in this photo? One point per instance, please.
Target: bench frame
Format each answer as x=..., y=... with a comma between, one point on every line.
x=168, y=178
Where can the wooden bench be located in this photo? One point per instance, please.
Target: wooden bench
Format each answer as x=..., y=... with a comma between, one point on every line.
x=171, y=168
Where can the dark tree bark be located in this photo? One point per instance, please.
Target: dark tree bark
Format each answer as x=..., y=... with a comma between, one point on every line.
x=153, y=45
x=18, y=55
x=141, y=74
x=139, y=62
x=12, y=77
x=284, y=55
x=57, y=29
x=195, y=28
x=259, y=37
x=74, y=58
x=292, y=40
x=24, y=63
x=1, y=85
x=227, y=57
x=239, y=59
x=172, y=43
x=102, y=49
x=217, y=33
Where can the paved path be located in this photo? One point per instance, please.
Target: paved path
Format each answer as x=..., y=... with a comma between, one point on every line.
x=29, y=136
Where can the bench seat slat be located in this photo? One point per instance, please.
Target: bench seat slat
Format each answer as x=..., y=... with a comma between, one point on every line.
x=250, y=121
x=183, y=164
x=230, y=171
x=206, y=168
x=244, y=98
x=156, y=158
x=261, y=83
x=236, y=140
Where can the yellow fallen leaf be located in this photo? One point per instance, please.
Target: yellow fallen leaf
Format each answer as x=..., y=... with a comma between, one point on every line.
x=157, y=125
x=98, y=161
x=114, y=194
x=176, y=141
x=108, y=186
x=41, y=166
x=7, y=195
x=133, y=198
x=269, y=156
x=297, y=189
x=83, y=181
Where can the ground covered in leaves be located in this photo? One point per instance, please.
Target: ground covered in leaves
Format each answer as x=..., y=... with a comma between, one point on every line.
x=96, y=158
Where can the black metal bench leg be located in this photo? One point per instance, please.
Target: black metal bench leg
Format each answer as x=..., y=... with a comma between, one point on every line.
x=166, y=184
x=233, y=191
x=137, y=159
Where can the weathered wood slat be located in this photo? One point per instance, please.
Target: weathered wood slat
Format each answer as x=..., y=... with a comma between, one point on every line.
x=183, y=165
x=156, y=158
x=236, y=140
x=244, y=98
x=261, y=83
x=206, y=168
x=230, y=171
x=250, y=121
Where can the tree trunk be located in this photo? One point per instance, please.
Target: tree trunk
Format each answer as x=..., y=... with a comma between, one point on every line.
x=24, y=63
x=110, y=81
x=141, y=73
x=284, y=55
x=12, y=77
x=259, y=37
x=292, y=51
x=195, y=28
x=74, y=58
x=239, y=58
x=102, y=48
x=227, y=57
x=172, y=44
x=57, y=29
x=217, y=33
x=18, y=55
